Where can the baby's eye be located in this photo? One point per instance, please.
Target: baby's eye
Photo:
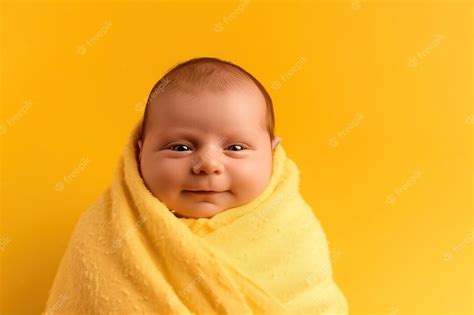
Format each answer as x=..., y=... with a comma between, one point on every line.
x=238, y=146
x=178, y=146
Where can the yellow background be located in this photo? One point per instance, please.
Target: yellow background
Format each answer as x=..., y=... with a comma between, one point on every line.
x=373, y=101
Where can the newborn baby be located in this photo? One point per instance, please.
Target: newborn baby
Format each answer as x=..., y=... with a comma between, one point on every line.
x=207, y=138
x=203, y=215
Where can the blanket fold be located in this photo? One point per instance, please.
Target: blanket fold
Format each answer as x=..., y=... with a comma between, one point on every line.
x=129, y=254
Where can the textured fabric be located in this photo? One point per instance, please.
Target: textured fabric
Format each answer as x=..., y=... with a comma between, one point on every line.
x=129, y=254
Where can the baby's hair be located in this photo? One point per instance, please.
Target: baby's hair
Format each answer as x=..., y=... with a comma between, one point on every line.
x=212, y=73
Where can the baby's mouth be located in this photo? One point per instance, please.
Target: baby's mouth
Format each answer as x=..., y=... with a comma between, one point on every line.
x=204, y=192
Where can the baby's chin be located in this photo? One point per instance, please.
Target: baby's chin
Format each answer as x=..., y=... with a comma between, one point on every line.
x=201, y=209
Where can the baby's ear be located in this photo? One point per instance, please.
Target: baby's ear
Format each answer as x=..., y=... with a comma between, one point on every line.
x=275, y=141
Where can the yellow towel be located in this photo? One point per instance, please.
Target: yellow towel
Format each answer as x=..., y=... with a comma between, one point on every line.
x=129, y=254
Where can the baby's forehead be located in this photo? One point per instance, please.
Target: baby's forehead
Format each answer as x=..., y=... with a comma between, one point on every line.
x=213, y=88
x=193, y=130
x=203, y=127
x=240, y=102
x=241, y=108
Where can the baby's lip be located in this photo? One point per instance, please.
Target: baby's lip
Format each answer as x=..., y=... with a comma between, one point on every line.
x=203, y=192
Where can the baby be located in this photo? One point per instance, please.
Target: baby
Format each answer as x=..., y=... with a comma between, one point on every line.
x=242, y=239
x=207, y=138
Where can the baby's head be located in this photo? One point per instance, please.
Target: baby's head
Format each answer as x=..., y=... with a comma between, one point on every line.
x=208, y=126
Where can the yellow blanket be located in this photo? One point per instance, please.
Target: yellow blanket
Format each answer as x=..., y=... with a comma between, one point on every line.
x=129, y=254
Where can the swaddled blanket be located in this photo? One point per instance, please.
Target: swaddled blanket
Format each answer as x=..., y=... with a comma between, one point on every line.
x=129, y=254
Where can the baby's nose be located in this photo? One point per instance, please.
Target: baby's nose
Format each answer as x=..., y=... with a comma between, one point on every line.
x=207, y=164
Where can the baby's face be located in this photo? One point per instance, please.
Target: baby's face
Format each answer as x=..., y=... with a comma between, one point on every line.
x=207, y=141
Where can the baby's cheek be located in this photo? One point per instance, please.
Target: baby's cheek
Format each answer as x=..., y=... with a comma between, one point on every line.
x=162, y=176
x=251, y=179
x=170, y=175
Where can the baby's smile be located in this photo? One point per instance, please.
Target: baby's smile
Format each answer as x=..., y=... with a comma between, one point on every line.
x=204, y=192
